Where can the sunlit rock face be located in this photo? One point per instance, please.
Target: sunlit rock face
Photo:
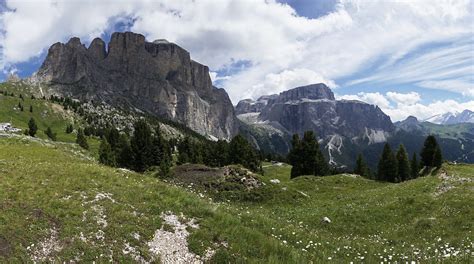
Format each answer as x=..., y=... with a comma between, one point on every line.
x=157, y=77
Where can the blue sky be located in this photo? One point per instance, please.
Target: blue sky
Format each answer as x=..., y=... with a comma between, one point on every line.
x=407, y=57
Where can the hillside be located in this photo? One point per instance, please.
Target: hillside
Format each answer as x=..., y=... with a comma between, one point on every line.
x=57, y=203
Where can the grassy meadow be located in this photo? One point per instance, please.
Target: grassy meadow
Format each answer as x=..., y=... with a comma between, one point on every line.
x=56, y=196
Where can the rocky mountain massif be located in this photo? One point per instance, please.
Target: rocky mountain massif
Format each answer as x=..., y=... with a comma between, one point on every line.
x=340, y=124
x=466, y=116
x=157, y=78
x=345, y=128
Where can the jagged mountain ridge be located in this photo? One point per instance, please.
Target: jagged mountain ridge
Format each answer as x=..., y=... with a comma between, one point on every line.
x=466, y=116
x=154, y=77
x=340, y=124
x=345, y=128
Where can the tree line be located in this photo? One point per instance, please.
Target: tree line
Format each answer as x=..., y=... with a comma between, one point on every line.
x=397, y=167
x=306, y=158
x=147, y=149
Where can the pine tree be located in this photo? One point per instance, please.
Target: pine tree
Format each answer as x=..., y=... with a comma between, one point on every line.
x=32, y=127
x=159, y=148
x=388, y=167
x=81, y=139
x=221, y=153
x=113, y=137
x=140, y=143
x=361, y=167
x=295, y=156
x=50, y=134
x=415, y=166
x=106, y=155
x=184, y=151
x=31, y=109
x=123, y=152
x=306, y=157
x=428, y=151
x=437, y=158
x=404, y=172
x=69, y=129
x=241, y=152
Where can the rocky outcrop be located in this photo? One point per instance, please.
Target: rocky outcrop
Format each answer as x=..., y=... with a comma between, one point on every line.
x=158, y=78
x=314, y=107
x=344, y=127
x=250, y=106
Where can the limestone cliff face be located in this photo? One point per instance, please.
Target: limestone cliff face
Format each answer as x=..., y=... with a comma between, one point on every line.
x=251, y=106
x=154, y=77
x=314, y=107
x=345, y=128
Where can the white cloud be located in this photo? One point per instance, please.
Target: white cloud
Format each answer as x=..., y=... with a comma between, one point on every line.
x=371, y=98
x=401, y=105
x=404, y=98
x=287, y=79
x=283, y=49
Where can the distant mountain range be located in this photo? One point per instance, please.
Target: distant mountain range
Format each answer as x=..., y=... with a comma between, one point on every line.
x=449, y=118
x=160, y=78
x=346, y=128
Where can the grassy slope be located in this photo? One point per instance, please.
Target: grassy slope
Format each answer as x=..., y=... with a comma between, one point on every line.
x=44, y=112
x=48, y=186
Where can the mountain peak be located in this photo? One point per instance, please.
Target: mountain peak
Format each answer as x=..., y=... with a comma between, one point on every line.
x=154, y=77
x=313, y=92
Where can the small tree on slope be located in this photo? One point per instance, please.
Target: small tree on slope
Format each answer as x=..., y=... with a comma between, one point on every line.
x=387, y=167
x=81, y=139
x=403, y=164
x=32, y=127
x=415, y=166
x=428, y=151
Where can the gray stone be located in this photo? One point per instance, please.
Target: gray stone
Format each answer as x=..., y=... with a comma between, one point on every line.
x=157, y=78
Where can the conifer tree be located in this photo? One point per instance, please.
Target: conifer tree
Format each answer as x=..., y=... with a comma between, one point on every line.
x=113, y=137
x=241, y=152
x=361, y=167
x=81, y=139
x=387, y=167
x=69, y=129
x=221, y=152
x=106, y=155
x=50, y=134
x=437, y=158
x=295, y=156
x=306, y=157
x=415, y=166
x=140, y=143
x=123, y=152
x=403, y=164
x=428, y=151
x=32, y=127
x=184, y=151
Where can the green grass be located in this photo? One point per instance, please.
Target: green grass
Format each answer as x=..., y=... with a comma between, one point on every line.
x=46, y=185
x=46, y=114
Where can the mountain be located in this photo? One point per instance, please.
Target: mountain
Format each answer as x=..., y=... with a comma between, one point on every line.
x=456, y=140
x=449, y=118
x=251, y=106
x=342, y=125
x=158, y=78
